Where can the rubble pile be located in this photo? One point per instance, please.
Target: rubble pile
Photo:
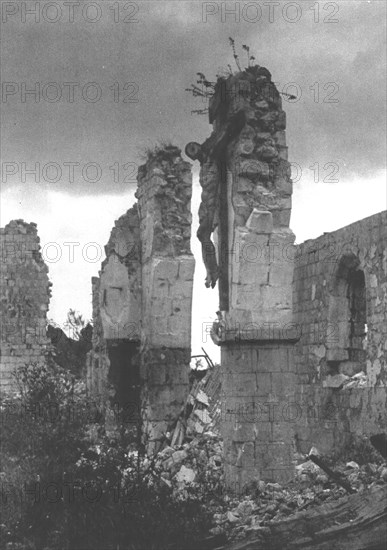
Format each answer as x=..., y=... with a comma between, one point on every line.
x=195, y=444
x=205, y=400
x=197, y=463
x=201, y=410
x=195, y=467
x=270, y=502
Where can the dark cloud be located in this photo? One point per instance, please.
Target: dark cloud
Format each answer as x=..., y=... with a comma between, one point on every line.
x=160, y=56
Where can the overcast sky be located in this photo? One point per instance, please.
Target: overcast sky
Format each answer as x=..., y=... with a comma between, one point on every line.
x=110, y=80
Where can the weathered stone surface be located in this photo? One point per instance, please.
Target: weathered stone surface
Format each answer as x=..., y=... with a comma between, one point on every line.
x=25, y=295
x=336, y=381
x=164, y=204
x=324, y=269
x=260, y=221
x=167, y=304
x=259, y=392
x=142, y=299
x=119, y=301
x=252, y=179
x=329, y=294
x=253, y=169
x=185, y=475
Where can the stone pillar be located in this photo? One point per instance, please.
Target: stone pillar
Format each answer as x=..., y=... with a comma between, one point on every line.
x=25, y=296
x=258, y=411
x=142, y=300
x=245, y=161
x=164, y=200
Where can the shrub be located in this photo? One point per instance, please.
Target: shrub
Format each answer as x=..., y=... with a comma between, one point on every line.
x=66, y=492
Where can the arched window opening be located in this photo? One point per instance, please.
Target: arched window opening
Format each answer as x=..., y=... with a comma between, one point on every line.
x=358, y=321
x=347, y=314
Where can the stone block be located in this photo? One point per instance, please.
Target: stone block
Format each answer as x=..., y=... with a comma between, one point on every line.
x=159, y=287
x=161, y=306
x=274, y=299
x=166, y=269
x=283, y=152
x=249, y=246
x=179, y=325
x=336, y=381
x=281, y=274
x=283, y=383
x=252, y=168
x=246, y=297
x=264, y=383
x=157, y=329
x=230, y=412
x=183, y=289
x=281, y=217
x=337, y=354
x=283, y=431
x=238, y=359
x=281, y=138
x=239, y=384
x=181, y=307
x=186, y=268
x=260, y=221
x=250, y=272
x=273, y=360
x=274, y=455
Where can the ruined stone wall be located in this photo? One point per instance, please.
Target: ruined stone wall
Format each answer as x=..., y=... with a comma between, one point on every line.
x=97, y=364
x=25, y=295
x=120, y=280
x=164, y=200
x=246, y=203
x=142, y=299
x=259, y=190
x=258, y=388
x=116, y=296
x=342, y=389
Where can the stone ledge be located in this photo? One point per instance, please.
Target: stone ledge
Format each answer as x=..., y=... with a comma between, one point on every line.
x=258, y=336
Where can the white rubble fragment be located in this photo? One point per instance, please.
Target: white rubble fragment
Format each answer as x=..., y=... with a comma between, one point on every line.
x=186, y=475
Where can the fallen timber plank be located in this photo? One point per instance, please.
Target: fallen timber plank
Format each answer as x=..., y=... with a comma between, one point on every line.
x=355, y=522
x=333, y=475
